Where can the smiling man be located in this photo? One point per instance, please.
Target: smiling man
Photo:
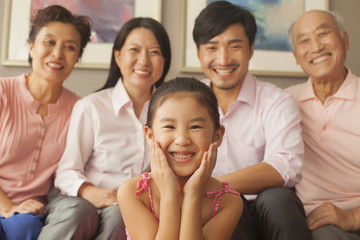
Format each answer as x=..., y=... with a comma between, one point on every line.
x=262, y=149
x=329, y=103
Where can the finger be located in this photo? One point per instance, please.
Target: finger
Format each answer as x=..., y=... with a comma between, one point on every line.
x=316, y=219
x=204, y=163
x=315, y=223
x=212, y=155
x=153, y=163
x=161, y=156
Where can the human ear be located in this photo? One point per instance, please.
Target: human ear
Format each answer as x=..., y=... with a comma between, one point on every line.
x=219, y=133
x=31, y=47
x=251, y=50
x=117, y=57
x=148, y=133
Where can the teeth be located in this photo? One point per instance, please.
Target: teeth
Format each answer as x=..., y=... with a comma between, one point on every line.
x=142, y=72
x=223, y=72
x=54, y=65
x=320, y=59
x=182, y=156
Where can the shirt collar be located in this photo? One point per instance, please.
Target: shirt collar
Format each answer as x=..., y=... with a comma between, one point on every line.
x=247, y=92
x=120, y=97
x=347, y=90
x=29, y=100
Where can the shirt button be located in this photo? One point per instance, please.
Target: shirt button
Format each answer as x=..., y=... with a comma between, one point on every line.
x=37, y=148
x=35, y=160
x=42, y=125
x=41, y=136
x=32, y=171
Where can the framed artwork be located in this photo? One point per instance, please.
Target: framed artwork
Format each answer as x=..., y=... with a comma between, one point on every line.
x=273, y=55
x=97, y=55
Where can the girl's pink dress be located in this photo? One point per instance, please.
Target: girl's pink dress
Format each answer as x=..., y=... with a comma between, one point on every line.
x=143, y=184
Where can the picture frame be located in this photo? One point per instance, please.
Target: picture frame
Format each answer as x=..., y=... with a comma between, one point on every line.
x=262, y=63
x=14, y=49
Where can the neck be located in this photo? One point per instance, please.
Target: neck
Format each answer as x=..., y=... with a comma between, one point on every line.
x=139, y=97
x=42, y=91
x=226, y=97
x=324, y=88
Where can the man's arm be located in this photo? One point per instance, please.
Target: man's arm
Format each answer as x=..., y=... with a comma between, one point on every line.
x=253, y=179
x=283, y=151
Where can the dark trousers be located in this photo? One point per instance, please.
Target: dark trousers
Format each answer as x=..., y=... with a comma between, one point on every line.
x=276, y=214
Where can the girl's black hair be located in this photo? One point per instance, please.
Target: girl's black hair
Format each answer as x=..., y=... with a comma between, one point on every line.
x=202, y=93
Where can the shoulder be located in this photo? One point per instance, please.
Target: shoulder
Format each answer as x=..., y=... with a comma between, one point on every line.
x=230, y=201
x=271, y=100
x=8, y=83
x=129, y=185
x=128, y=188
x=267, y=91
x=215, y=185
x=127, y=191
x=94, y=102
x=70, y=95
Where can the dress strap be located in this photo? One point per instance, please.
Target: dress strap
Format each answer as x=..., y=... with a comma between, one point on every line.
x=218, y=194
x=143, y=184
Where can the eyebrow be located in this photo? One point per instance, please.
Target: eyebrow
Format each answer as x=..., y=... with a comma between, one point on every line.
x=322, y=26
x=70, y=40
x=197, y=119
x=231, y=41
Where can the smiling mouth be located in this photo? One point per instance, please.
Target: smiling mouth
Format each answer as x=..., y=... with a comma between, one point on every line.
x=182, y=157
x=320, y=59
x=55, y=66
x=224, y=72
x=142, y=72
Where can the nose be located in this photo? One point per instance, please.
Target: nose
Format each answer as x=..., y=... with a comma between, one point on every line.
x=182, y=138
x=223, y=56
x=143, y=57
x=316, y=45
x=57, y=52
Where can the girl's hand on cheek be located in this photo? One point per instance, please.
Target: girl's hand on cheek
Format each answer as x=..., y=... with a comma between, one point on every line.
x=161, y=172
x=198, y=181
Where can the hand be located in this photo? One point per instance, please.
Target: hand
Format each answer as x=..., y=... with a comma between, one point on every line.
x=328, y=213
x=161, y=172
x=197, y=182
x=99, y=197
x=28, y=206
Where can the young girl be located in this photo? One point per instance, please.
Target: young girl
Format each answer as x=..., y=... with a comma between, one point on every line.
x=179, y=199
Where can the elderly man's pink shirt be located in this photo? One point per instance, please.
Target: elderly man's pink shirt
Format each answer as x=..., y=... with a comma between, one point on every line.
x=30, y=146
x=331, y=133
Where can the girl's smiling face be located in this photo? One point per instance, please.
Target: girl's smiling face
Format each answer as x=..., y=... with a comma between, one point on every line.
x=184, y=130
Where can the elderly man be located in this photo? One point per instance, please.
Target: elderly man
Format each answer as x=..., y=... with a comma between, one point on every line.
x=329, y=104
x=262, y=150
